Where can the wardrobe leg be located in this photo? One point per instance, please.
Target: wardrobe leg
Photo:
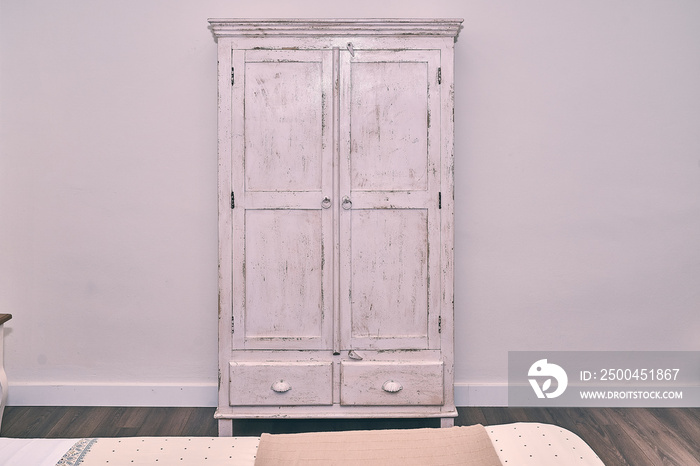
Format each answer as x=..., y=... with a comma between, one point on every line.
x=447, y=422
x=225, y=427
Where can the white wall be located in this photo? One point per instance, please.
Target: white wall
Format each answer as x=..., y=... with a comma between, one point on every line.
x=578, y=187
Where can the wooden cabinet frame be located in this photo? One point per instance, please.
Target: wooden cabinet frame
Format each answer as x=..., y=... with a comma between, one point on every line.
x=335, y=218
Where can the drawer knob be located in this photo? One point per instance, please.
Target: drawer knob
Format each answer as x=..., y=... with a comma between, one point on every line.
x=281, y=386
x=392, y=387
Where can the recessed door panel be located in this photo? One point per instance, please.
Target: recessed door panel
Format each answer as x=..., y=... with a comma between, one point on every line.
x=389, y=125
x=283, y=275
x=285, y=117
x=389, y=274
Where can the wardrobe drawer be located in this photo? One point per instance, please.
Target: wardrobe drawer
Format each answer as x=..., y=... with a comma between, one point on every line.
x=281, y=383
x=391, y=383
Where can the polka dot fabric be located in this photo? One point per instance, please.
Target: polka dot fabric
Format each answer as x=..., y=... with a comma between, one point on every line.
x=529, y=443
x=522, y=444
x=190, y=451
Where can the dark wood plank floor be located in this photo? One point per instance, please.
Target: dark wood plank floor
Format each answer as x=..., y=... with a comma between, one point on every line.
x=630, y=436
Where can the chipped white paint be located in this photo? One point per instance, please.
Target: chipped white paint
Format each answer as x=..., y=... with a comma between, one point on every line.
x=387, y=383
x=390, y=27
x=281, y=383
x=335, y=137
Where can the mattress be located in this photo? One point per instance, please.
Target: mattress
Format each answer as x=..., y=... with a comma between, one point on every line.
x=518, y=443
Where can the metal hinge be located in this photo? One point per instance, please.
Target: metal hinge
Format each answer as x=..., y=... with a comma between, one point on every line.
x=439, y=324
x=440, y=200
x=232, y=325
x=439, y=75
x=232, y=76
x=233, y=200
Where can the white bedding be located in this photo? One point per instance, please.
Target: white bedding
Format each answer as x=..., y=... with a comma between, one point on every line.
x=35, y=452
x=531, y=443
x=190, y=451
x=516, y=444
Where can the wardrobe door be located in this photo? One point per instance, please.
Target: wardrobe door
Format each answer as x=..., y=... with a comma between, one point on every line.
x=390, y=199
x=282, y=188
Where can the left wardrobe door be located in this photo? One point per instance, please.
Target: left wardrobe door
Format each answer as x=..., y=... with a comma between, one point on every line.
x=283, y=211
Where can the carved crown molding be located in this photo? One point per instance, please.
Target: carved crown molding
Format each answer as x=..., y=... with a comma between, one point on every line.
x=334, y=27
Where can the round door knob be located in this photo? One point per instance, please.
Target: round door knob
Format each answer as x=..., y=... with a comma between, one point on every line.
x=326, y=202
x=347, y=203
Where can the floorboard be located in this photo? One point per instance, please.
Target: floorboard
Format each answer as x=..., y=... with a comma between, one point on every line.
x=630, y=436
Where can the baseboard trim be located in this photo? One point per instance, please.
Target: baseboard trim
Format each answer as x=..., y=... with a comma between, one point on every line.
x=185, y=395
x=76, y=394
x=481, y=394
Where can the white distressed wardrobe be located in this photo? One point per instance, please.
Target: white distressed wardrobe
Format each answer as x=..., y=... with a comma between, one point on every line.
x=335, y=218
